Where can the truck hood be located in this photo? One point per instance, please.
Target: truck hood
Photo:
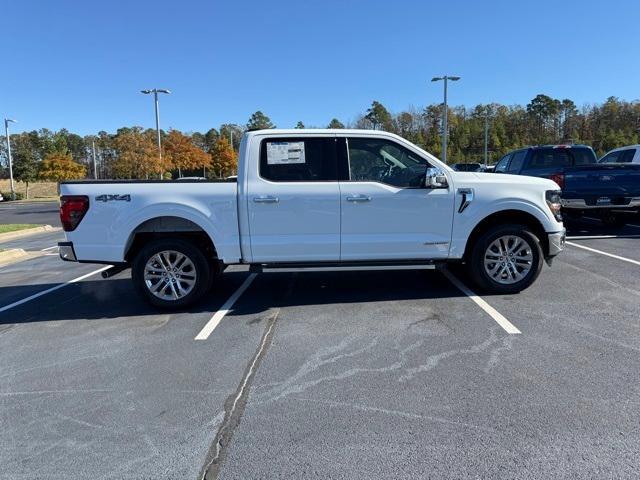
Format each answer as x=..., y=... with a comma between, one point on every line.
x=502, y=179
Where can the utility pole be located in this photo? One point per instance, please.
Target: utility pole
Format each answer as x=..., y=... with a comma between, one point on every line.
x=155, y=92
x=6, y=132
x=445, y=112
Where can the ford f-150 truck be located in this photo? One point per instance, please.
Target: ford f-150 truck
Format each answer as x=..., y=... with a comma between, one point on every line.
x=606, y=190
x=315, y=199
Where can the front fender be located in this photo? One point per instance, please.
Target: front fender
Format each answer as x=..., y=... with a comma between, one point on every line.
x=465, y=222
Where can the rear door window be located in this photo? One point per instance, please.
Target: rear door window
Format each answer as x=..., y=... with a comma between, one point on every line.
x=628, y=155
x=298, y=159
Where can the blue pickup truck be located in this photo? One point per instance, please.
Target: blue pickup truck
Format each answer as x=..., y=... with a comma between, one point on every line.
x=608, y=191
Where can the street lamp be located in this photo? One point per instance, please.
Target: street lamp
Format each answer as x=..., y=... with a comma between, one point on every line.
x=445, y=130
x=6, y=132
x=155, y=92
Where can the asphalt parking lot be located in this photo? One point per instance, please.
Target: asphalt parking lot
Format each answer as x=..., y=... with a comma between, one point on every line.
x=388, y=374
x=34, y=212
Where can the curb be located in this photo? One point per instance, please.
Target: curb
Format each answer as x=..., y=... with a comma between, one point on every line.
x=12, y=255
x=4, y=237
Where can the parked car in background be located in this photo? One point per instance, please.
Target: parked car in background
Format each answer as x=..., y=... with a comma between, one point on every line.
x=608, y=191
x=628, y=154
x=467, y=167
x=1, y=198
x=314, y=199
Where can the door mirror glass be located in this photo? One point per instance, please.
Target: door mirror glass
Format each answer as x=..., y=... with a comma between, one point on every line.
x=435, y=178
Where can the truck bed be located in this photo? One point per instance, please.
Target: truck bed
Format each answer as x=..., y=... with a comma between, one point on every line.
x=118, y=208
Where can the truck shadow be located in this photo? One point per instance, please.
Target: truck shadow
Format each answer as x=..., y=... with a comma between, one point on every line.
x=115, y=298
x=588, y=227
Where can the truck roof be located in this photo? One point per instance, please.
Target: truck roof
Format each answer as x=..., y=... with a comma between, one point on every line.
x=319, y=131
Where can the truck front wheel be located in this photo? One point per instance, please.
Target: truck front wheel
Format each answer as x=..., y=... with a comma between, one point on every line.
x=505, y=259
x=171, y=273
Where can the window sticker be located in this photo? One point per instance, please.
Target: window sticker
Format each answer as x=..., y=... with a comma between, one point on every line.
x=283, y=153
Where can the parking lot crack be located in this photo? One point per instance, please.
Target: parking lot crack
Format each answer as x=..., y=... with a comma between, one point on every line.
x=235, y=405
x=434, y=360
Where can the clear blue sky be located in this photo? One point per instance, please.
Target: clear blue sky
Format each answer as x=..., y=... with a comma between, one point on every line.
x=80, y=64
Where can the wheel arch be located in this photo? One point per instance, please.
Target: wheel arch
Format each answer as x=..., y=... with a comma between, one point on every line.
x=503, y=217
x=169, y=226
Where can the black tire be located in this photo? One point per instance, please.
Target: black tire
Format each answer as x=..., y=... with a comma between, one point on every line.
x=614, y=221
x=191, y=252
x=476, y=264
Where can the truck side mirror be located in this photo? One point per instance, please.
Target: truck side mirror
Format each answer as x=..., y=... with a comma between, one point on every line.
x=435, y=178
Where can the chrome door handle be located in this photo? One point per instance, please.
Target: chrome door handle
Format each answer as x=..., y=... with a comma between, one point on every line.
x=265, y=199
x=358, y=198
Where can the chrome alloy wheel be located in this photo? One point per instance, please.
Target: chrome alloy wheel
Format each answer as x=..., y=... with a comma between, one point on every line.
x=170, y=275
x=508, y=259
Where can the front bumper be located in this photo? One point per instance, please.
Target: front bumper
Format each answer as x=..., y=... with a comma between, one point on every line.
x=556, y=242
x=66, y=251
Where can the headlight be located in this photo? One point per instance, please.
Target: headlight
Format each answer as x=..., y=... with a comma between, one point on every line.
x=553, y=201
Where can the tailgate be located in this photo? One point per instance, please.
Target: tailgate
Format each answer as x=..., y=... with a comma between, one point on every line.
x=616, y=183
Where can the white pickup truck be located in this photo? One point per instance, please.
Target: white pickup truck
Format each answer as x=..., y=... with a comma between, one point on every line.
x=308, y=199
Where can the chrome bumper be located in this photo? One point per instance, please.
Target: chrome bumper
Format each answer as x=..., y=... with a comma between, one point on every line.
x=66, y=252
x=556, y=242
x=580, y=204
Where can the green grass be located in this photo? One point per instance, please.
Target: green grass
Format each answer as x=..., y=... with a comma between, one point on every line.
x=13, y=227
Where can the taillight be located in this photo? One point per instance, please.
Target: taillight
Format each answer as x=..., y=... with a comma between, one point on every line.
x=72, y=209
x=558, y=178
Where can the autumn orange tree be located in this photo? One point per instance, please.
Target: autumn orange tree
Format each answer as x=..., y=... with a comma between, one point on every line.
x=137, y=155
x=224, y=159
x=182, y=154
x=59, y=166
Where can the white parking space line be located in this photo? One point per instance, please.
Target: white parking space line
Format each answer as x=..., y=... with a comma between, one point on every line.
x=492, y=312
x=52, y=289
x=49, y=248
x=617, y=257
x=598, y=237
x=219, y=315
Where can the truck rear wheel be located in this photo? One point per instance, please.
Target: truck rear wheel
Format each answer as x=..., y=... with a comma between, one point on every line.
x=506, y=259
x=171, y=273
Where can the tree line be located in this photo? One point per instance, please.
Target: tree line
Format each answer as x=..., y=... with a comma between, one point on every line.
x=132, y=153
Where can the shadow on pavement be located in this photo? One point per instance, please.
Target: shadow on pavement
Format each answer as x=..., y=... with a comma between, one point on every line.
x=113, y=298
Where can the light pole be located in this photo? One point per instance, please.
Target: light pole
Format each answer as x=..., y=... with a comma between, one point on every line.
x=6, y=132
x=155, y=92
x=486, y=138
x=445, y=130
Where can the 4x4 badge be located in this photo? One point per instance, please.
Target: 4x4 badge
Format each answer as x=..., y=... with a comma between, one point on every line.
x=109, y=198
